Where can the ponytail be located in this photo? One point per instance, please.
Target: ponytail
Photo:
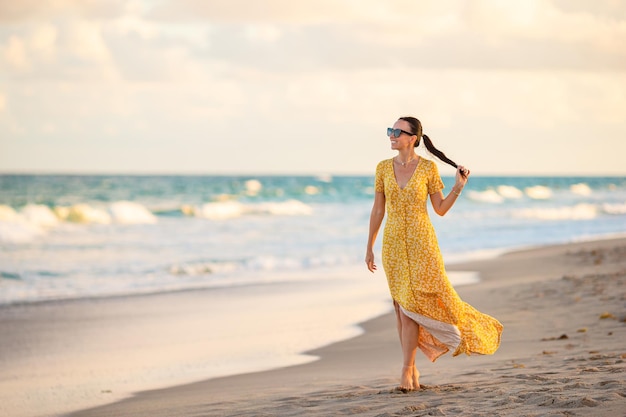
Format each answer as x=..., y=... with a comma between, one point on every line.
x=442, y=156
x=416, y=128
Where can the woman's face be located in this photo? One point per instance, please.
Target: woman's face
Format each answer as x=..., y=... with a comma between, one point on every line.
x=404, y=141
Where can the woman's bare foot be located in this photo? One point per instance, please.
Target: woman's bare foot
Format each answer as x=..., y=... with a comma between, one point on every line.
x=406, y=379
x=416, y=378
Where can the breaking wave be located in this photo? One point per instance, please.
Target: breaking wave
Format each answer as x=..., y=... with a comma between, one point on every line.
x=221, y=210
x=35, y=220
x=501, y=193
x=581, y=211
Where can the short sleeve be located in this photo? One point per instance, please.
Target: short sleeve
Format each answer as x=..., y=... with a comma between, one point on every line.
x=379, y=182
x=434, y=179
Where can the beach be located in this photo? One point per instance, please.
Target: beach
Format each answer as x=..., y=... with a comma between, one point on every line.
x=562, y=352
x=188, y=192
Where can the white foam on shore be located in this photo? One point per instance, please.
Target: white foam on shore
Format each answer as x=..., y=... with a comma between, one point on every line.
x=614, y=209
x=18, y=231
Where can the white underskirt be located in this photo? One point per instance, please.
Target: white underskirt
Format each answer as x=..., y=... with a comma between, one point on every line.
x=447, y=334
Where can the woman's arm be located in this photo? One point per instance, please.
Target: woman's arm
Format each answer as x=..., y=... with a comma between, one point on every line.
x=376, y=219
x=442, y=204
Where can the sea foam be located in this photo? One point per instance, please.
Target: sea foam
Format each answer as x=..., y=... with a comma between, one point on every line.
x=539, y=192
x=219, y=210
x=614, y=208
x=487, y=196
x=496, y=196
x=39, y=215
x=508, y=191
x=253, y=187
x=222, y=210
x=127, y=212
x=284, y=208
x=581, y=211
x=7, y=213
x=580, y=189
x=18, y=231
x=31, y=222
x=84, y=213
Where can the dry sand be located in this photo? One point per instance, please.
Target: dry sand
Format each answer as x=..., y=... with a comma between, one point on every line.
x=562, y=354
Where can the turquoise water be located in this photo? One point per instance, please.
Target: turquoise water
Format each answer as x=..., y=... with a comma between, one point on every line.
x=85, y=236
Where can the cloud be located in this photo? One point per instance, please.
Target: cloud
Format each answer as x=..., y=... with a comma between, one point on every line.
x=44, y=39
x=71, y=50
x=85, y=42
x=540, y=20
x=306, y=12
x=15, y=54
x=294, y=36
x=323, y=48
x=608, y=9
x=12, y=12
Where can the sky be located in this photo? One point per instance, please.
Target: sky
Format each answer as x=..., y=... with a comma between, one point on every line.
x=505, y=87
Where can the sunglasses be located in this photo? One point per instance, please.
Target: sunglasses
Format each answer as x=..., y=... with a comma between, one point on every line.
x=391, y=132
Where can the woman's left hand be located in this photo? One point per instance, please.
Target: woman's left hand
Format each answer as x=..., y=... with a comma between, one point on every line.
x=462, y=174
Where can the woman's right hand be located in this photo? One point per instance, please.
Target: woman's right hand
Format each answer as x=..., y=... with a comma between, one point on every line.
x=369, y=260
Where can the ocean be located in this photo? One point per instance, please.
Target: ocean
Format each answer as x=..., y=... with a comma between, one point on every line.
x=281, y=246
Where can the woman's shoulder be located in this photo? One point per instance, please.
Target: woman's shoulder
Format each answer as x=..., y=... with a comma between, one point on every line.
x=428, y=164
x=384, y=163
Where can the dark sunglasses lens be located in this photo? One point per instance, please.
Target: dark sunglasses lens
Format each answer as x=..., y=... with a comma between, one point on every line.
x=394, y=132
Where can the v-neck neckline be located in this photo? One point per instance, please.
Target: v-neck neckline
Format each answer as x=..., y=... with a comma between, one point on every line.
x=393, y=169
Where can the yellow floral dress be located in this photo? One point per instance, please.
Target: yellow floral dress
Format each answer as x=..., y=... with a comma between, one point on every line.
x=416, y=273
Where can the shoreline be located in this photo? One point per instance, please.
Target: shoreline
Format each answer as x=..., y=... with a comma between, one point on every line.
x=359, y=373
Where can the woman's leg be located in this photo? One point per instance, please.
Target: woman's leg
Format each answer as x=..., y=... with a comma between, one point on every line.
x=403, y=380
x=408, y=331
x=396, y=306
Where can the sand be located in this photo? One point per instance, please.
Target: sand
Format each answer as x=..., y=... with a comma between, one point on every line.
x=563, y=353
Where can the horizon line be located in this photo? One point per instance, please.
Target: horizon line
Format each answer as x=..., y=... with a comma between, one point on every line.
x=287, y=173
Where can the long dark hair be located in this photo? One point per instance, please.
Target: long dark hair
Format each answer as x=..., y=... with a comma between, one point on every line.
x=416, y=128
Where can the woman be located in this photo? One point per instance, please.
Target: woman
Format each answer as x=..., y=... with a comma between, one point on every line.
x=430, y=315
